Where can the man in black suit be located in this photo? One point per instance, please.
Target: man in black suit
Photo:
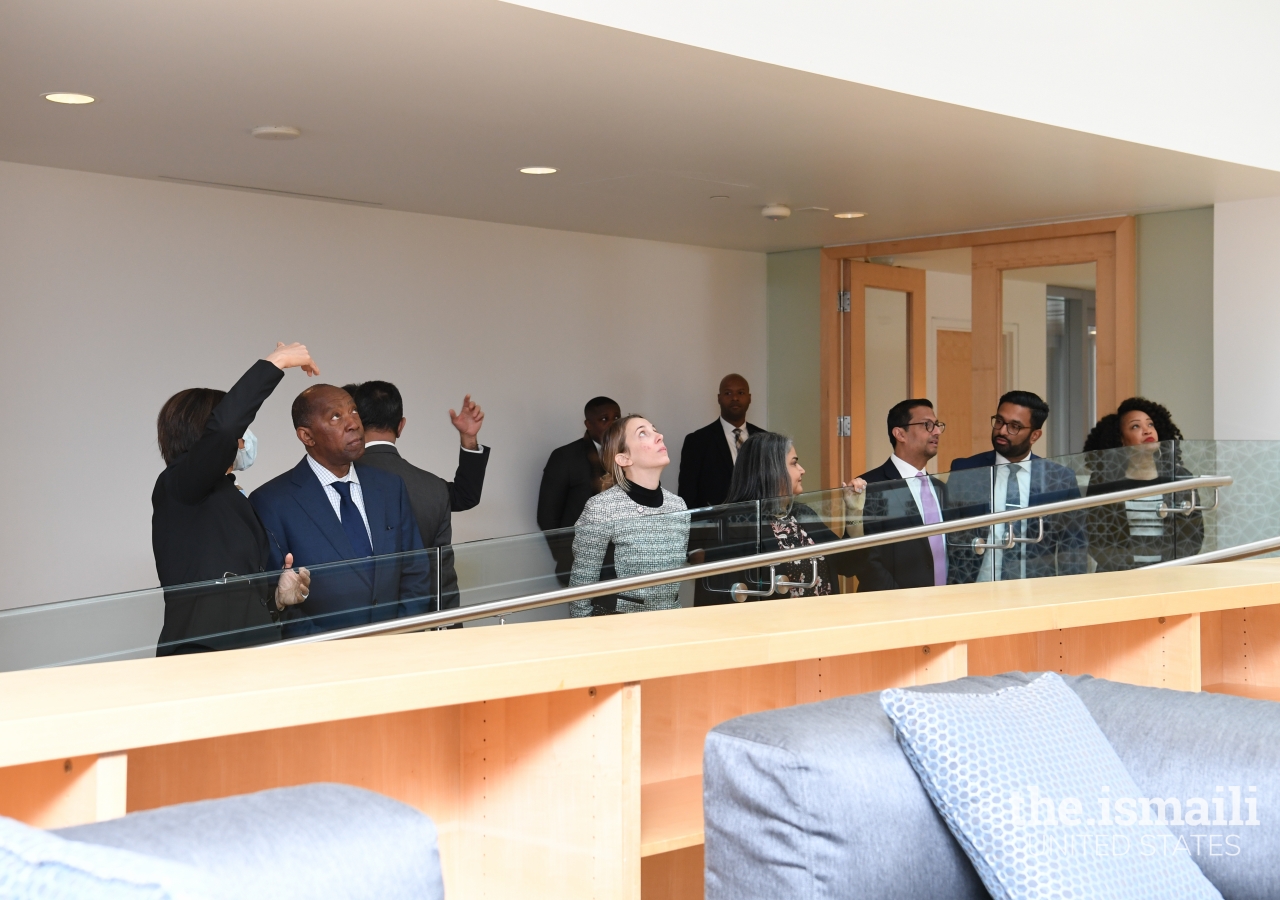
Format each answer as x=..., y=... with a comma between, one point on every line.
x=571, y=478
x=433, y=498
x=900, y=494
x=708, y=455
x=1010, y=476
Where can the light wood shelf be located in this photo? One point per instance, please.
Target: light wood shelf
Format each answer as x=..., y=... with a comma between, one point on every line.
x=670, y=815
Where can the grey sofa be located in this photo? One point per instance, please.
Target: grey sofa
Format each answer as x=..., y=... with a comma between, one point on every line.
x=818, y=801
x=318, y=840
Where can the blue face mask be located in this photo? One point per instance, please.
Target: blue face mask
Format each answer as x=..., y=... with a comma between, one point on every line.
x=247, y=454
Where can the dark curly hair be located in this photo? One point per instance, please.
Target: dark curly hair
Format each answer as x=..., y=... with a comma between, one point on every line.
x=1106, y=434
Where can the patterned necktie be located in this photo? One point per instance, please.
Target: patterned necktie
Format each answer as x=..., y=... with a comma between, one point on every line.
x=737, y=437
x=1012, y=565
x=352, y=521
x=937, y=543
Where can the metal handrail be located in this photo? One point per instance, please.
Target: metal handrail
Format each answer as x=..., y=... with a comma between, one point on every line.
x=760, y=560
x=1230, y=554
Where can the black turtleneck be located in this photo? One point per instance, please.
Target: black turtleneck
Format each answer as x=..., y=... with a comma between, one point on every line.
x=650, y=497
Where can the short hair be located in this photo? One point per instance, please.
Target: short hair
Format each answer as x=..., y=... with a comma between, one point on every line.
x=900, y=415
x=182, y=420
x=613, y=443
x=304, y=406
x=761, y=470
x=1106, y=434
x=379, y=403
x=1039, y=409
x=596, y=403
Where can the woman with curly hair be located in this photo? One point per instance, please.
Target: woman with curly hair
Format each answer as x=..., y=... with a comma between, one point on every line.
x=1133, y=447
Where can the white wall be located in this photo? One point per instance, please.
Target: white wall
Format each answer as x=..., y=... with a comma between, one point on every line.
x=117, y=292
x=1246, y=320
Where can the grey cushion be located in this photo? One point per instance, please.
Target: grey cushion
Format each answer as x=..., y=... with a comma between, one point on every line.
x=318, y=840
x=819, y=801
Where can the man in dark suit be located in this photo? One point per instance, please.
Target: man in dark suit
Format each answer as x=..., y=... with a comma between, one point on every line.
x=1010, y=476
x=708, y=455
x=433, y=499
x=900, y=494
x=571, y=478
x=327, y=510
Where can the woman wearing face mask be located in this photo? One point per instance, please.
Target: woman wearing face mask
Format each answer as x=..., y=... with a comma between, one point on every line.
x=768, y=470
x=1133, y=448
x=646, y=523
x=203, y=529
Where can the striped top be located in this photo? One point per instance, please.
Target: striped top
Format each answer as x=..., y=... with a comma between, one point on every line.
x=644, y=540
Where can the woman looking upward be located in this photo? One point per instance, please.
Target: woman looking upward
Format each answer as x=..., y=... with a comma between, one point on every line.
x=646, y=524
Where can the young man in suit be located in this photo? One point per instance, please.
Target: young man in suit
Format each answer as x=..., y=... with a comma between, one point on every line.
x=709, y=454
x=1010, y=476
x=433, y=499
x=327, y=510
x=900, y=494
x=571, y=478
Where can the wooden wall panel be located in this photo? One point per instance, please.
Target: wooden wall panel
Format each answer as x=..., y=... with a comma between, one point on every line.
x=64, y=792
x=1210, y=648
x=1250, y=646
x=678, y=712
x=1153, y=652
x=985, y=348
x=673, y=876
x=842, y=676
x=830, y=368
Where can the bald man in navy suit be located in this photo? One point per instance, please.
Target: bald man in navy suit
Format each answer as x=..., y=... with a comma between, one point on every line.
x=329, y=510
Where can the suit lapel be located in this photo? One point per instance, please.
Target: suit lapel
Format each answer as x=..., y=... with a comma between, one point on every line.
x=721, y=443
x=375, y=508
x=314, y=500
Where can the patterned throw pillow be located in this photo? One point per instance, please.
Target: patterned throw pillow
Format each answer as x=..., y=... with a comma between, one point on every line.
x=36, y=865
x=1038, y=799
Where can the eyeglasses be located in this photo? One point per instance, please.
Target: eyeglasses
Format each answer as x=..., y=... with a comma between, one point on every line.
x=1014, y=428
x=931, y=426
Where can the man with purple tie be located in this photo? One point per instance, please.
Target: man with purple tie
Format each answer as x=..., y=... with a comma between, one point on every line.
x=900, y=494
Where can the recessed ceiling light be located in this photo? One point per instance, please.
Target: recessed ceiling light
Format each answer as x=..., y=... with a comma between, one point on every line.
x=719, y=197
x=275, y=132
x=63, y=97
x=850, y=215
x=538, y=170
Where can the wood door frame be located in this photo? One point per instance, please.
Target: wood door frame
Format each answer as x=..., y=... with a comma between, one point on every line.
x=846, y=368
x=1110, y=243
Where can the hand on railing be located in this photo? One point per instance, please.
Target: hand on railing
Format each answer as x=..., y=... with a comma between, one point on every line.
x=294, y=585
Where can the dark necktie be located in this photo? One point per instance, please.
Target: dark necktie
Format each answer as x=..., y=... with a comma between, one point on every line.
x=352, y=522
x=1012, y=567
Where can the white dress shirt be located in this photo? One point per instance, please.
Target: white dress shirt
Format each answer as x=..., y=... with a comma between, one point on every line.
x=915, y=484
x=335, y=499
x=994, y=560
x=733, y=441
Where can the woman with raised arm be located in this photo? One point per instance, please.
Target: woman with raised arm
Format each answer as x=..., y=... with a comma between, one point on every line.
x=646, y=523
x=1134, y=447
x=203, y=529
x=768, y=471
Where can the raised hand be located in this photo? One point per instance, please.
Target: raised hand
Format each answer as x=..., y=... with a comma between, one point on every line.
x=294, y=585
x=288, y=356
x=468, y=422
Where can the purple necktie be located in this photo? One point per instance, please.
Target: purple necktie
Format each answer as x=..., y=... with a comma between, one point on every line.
x=937, y=543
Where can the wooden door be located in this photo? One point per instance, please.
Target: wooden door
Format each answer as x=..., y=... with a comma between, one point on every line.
x=844, y=356
x=955, y=399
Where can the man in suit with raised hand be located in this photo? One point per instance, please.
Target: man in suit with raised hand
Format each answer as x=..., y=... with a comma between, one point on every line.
x=1010, y=476
x=709, y=454
x=328, y=510
x=433, y=499
x=900, y=494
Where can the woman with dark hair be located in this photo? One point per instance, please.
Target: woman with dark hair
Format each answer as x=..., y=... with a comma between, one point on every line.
x=768, y=470
x=1134, y=447
x=203, y=529
x=646, y=524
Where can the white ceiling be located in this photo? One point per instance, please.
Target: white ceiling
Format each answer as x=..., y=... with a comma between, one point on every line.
x=432, y=107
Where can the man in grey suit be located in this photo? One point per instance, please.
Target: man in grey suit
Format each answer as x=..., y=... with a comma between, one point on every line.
x=433, y=499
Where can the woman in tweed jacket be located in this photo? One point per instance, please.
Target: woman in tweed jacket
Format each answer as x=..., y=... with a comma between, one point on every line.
x=646, y=524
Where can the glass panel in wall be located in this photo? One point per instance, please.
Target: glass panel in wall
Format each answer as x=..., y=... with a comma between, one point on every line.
x=886, y=366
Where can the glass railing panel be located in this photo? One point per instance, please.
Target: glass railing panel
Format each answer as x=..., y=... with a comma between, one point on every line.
x=1247, y=511
x=225, y=614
